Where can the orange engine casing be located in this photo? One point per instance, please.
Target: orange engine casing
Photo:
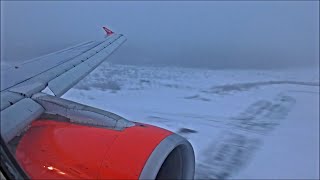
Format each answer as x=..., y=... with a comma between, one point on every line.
x=54, y=150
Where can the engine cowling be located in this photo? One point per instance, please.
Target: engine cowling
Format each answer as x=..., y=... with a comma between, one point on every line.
x=54, y=147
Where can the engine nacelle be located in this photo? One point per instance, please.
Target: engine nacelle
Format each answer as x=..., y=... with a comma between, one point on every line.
x=99, y=145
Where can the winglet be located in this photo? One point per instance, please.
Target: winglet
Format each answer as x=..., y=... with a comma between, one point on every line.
x=108, y=31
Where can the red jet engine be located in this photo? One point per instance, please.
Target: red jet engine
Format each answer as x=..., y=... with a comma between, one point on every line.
x=73, y=141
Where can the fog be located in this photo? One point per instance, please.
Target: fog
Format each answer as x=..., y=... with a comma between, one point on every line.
x=192, y=34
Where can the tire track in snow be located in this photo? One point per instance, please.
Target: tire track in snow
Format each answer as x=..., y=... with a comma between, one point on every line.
x=236, y=145
x=228, y=88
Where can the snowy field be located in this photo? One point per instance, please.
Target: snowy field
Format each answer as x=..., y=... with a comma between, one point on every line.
x=241, y=123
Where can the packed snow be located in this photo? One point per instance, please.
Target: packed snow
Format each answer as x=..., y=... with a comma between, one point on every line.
x=241, y=123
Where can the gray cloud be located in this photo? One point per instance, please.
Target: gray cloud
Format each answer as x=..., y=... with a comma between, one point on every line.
x=198, y=34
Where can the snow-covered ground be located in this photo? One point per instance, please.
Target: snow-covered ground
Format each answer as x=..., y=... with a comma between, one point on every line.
x=241, y=123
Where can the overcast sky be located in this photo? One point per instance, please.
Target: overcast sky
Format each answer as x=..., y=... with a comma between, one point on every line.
x=246, y=34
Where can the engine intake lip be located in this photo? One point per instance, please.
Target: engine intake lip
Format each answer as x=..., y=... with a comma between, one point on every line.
x=173, y=149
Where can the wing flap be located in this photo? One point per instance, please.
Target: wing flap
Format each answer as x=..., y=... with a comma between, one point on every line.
x=9, y=98
x=65, y=81
x=16, y=117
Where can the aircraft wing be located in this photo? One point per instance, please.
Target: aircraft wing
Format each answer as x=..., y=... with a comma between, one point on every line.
x=54, y=74
x=55, y=138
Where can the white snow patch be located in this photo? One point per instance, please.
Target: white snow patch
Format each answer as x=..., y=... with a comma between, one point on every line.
x=261, y=130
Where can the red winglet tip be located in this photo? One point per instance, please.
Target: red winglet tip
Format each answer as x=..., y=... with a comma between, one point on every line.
x=108, y=31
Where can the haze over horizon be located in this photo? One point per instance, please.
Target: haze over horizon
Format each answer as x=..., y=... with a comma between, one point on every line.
x=189, y=34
